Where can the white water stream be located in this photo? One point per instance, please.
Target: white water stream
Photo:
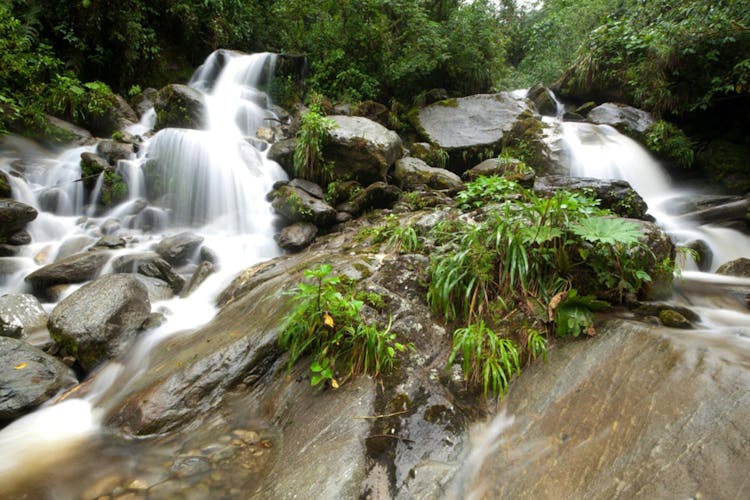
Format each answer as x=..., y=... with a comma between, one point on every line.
x=217, y=187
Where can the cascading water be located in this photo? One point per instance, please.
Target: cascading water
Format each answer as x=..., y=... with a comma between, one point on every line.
x=211, y=182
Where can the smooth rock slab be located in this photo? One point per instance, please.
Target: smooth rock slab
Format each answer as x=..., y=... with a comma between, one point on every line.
x=74, y=269
x=626, y=119
x=29, y=378
x=635, y=412
x=96, y=321
x=413, y=172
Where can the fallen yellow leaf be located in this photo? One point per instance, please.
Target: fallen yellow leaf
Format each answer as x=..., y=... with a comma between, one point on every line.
x=328, y=319
x=334, y=384
x=21, y=366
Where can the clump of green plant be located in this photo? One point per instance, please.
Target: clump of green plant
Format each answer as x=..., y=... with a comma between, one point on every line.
x=398, y=237
x=308, y=150
x=670, y=142
x=487, y=359
x=325, y=323
x=486, y=190
x=529, y=249
x=79, y=101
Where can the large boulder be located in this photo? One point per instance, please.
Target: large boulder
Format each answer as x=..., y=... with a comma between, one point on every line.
x=21, y=314
x=627, y=119
x=179, y=106
x=615, y=195
x=297, y=205
x=77, y=268
x=29, y=378
x=62, y=132
x=526, y=141
x=98, y=320
x=738, y=267
x=114, y=151
x=376, y=195
x=412, y=172
x=297, y=236
x=361, y=149
x=14, y=216
x=543, y=100
x=469, y=128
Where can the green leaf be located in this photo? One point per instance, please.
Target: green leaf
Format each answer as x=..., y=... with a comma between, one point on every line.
x=607, y=230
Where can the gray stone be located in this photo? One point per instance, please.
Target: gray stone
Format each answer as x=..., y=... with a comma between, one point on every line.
x=738, y=267
x=74, y=269
x=98, y=320
x=66, y=132
x=469, y=126
x=114, y=151
x=412, y=172
x=14, y=216
x=204, y=270
x=29, y=378
x=543, y=99
x=361, y=149
x=297, y=205
x=180, y=248
x=282, y=152
x=119, y=115
x=376, y=195
x=20, y=315
x=144, y=101
x=149, y=264
x=308, y=186
x=626, y=119
x=297, y=236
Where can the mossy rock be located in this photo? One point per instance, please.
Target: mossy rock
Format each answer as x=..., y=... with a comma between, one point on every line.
x=179, y=106
x=525, y=141
x=673, y=319
x=5, y=189
x=728, y=164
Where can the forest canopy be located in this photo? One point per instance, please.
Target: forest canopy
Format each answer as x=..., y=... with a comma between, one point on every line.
x=666, y=55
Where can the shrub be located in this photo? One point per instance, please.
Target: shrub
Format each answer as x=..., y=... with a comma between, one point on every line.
x=668, y=141
x=308, y=150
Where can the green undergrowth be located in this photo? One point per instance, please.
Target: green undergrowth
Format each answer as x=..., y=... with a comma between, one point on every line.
x=522, y=265
x=325, y=323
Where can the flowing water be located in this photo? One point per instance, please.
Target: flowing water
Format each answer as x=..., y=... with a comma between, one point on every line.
x=218, y=183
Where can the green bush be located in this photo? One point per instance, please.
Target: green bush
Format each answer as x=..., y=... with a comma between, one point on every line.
x=668, y=141
x=308, y=149
x=325, y=323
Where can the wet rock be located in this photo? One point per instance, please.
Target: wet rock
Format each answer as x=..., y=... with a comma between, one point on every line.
x=98, y=320
x=8, y=250
x=297, y=236
x=526, y=141
x=20, y=315
x=150, y=219
x=310, y=187
x=627, y=119
x=204, y=270
x=340, y=192
x=180, y=248
x=585, y=108
x=208, y=255
x=376, y=195
x=510, y=168
x=543, y=99
x=14, y=216
x=179, y=106
x=637, y=401
x=110, y=226
x=738, y=267
x=54, y=200
x=297, y=205
x=74, y=245
x=157, y=289
x=412, y=172
x=118, y=115
x=703, y=256
x=114, y=151
x=62, y=132
x=111, y=241
x=144, y=101
x=92, y=166
x=282, y=152
x=29, y=378
x=19, y=238
x=74, y=269
x=673, y=319
x=361, y=149
x=5, y=188
x=615, y=195
x=151, y=265
x=733, y=211
x=468, y=127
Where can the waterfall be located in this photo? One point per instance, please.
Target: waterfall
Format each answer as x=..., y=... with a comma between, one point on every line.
x=212, y=182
